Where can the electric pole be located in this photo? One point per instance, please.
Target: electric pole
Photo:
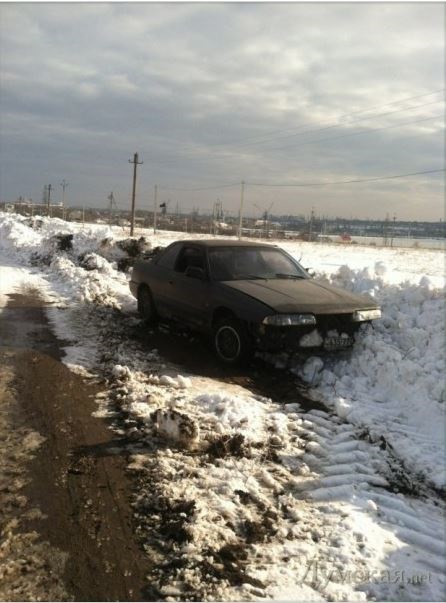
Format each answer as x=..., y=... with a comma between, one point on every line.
x=135, y=163
x=265, y=219
x=64, y=185
x=242, y=194
x=155, y=207
x=386, y=230
x=111, y=198
x=49, y=187
x=212, y=224
x=393, y=230
x=310, y=232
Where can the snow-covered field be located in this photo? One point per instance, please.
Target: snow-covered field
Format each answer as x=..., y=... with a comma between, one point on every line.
x=246, y=497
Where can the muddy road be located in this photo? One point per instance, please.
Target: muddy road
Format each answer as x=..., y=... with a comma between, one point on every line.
x=77, y=477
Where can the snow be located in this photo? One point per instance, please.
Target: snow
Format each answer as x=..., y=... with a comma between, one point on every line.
x=13, y=276
x=311, y=339
x=393, y=383
x=317, y=497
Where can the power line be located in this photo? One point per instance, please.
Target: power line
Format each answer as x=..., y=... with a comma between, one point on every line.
x=311, y=131
x=326, y=139
x=339, y=117
x=305, y=142
x=304, y=184
x=186, y=151
x=206, y=188
x=368, y=131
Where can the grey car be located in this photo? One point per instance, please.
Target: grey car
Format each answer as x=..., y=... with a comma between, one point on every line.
x=247, y=296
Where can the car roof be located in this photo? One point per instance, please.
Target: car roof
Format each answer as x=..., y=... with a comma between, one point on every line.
x=223, y=243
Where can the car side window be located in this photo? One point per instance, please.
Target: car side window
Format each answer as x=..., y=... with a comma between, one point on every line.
x=169, y=257
x=190, y=256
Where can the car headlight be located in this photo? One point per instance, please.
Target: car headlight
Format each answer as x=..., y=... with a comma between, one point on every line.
x=288, y=320
x=362, y=315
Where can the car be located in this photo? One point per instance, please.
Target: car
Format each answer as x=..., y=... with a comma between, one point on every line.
x=247, y=296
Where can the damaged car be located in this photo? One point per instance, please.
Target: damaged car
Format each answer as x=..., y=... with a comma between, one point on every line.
x=247, y=296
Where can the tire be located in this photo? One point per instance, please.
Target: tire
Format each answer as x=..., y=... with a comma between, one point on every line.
x=231, y=341
x=146, y=307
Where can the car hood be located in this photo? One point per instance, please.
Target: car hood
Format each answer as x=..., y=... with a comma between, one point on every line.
x=305, y=295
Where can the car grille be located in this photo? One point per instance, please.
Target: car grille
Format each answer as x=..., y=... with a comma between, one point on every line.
x=342, y=323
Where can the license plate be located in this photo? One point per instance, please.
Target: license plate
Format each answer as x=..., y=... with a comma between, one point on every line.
x=337, y=343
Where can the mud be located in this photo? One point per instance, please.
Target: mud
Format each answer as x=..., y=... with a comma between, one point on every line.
x=78, y=484
x=194, y=354
x=401, y=478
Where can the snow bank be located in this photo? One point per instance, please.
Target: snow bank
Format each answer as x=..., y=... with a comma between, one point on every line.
x=393, y=381
x=84, y=262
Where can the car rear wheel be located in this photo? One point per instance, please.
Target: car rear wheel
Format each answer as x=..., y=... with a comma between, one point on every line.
x=146, y=307
x=231, y=341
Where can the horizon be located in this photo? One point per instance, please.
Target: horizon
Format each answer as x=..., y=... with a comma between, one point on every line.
x=207, y=211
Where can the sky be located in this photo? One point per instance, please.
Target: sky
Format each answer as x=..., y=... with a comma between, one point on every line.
x=212, y=94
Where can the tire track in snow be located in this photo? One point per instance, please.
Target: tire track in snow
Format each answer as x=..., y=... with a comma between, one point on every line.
x=340, y=474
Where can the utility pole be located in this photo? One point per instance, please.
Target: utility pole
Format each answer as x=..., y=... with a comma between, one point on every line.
x=393, y=230
x=49, y=187
x=242, y=194
x=155, y=206
x=386, y=230
x=217, y=216
x=265, y=224
x=135, y=163
x=265, y=219
x=64, y=185
x=111, y=198
x=212, y=224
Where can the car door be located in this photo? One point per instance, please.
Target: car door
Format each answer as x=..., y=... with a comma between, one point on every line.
x=191, y=303
x=161, y=281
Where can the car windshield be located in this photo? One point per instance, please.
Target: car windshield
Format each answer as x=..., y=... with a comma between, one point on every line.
x=246, y=263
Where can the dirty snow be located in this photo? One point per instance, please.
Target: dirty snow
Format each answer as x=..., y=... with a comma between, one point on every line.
x=269, y=500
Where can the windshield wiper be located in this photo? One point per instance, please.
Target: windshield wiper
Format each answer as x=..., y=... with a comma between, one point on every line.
x=250, y=277
x=284, y=275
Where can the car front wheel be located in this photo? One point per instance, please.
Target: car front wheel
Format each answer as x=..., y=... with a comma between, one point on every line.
x=231, y=341
x=146, y=307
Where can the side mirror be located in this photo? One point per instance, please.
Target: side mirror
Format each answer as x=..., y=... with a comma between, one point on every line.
x=195, y=272
x=311, y=272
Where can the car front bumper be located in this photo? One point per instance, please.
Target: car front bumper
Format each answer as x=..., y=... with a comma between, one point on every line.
x=330, y=333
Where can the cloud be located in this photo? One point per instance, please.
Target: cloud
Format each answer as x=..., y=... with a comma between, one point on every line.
x=188, y=86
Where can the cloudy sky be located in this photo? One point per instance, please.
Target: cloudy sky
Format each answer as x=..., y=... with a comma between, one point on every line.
x=215, y=93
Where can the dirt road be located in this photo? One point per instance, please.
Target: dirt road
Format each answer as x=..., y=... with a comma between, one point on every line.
x=77, y=476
